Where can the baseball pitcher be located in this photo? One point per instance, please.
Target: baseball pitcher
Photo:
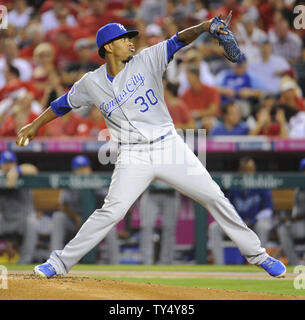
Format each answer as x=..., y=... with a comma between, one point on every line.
x=128, y=91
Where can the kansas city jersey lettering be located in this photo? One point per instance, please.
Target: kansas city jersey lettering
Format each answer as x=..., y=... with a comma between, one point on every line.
x=131, y=86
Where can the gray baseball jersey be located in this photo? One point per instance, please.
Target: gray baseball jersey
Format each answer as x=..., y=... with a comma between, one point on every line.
x=133, y=104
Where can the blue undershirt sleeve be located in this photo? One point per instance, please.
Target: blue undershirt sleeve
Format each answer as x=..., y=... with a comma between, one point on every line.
x=173, y=45
x=60, y=106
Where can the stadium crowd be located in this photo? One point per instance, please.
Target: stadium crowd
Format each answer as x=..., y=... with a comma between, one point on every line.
x=50, y=44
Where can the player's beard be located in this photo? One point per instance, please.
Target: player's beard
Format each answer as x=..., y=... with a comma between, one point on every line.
x=128, y=59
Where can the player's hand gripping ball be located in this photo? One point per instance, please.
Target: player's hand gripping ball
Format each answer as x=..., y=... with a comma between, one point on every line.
x=22, y=142
x=25, y=135
x=220, y=31
x=25, y=142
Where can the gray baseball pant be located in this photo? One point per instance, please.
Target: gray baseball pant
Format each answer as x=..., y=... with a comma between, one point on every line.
x=172, y=161
x=216, y=235
x=63, y=224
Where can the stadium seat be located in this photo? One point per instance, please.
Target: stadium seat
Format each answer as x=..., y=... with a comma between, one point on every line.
x=283, y=199
x=46, y=199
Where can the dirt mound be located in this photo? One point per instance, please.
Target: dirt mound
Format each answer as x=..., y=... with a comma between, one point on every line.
x=28, y=287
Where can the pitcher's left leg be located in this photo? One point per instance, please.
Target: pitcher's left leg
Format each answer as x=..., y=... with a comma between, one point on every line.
x=192, y=179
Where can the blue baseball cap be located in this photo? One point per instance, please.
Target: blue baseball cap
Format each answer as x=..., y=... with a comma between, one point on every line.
x=110, y=32
x=80, y=161
x=7, y=156
x=302, y=165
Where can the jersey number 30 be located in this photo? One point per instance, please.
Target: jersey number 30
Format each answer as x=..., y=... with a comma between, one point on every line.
x=150, y=96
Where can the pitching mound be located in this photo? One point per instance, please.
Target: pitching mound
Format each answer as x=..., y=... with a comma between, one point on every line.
x=24, y=286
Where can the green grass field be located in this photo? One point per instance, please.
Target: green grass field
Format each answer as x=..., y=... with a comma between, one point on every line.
x=270, y=285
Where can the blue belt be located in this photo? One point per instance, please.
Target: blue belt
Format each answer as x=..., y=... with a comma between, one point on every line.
x=162, y=137
x=154, y=141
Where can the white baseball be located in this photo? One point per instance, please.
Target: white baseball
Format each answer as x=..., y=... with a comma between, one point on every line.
x=26, y=142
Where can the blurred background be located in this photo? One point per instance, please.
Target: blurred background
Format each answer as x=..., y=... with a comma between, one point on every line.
x=253, y=113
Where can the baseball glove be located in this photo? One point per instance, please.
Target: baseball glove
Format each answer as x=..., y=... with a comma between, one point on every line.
x=226, y=38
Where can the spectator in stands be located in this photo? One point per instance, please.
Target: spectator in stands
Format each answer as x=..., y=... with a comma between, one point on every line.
x=294, y=107
x=180, y=11
x=193, y=57
x=291, y=229
x=299, y=68
x=177, y=108
x=57, y=16
x=254, y=206
x=141, y=40
x=79, y=7
x=66, y=126
x=17, y=215
x=232, y=123
x=266, y=11
x=11, y=56
x=297, y=125
x=290, y=101
x=69, y=217
x=20, y=16
x=33, y=37
x=92, y=125
x=17, y=106
x=19, y=116
x=290, y=76
x=202, y=100
x=285, y=43
x=16, y=91
x=154, y=34
x=249, y=35
x=200, y=10
x=150, y=10
x=129, y=9
x=240, y=84
x=64, y=50
x=75, y=70
x=45, y=75
x=169, y=27
x=270, y=120
x=269, y=67
x=99, y=14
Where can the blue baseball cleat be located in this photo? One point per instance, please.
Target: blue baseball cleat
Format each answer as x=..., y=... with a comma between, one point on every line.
x=274, y=267
x=45, y=270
